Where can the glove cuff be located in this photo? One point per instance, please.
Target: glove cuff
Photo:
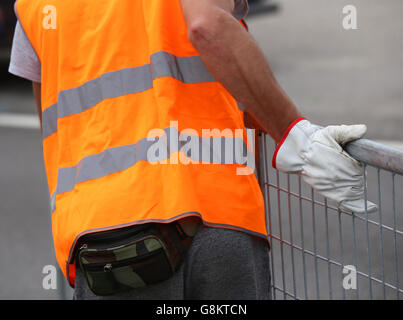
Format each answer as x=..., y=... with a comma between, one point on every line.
x=285, y=135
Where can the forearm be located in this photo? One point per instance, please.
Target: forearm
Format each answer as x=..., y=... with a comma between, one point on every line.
x=237, y=62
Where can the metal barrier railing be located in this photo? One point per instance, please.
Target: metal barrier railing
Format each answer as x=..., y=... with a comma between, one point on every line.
x=313, y=242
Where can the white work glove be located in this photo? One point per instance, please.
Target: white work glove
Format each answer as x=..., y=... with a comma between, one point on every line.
x=316, y=154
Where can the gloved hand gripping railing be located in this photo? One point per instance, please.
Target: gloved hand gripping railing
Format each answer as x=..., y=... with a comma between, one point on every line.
x=317, y=155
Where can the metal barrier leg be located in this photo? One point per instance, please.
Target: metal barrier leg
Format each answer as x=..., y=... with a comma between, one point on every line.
x=281, y=235
x=265, y=183
x=381, y=235
x=314, y=245
x=357, y=291
x=328, y=252
x=291, y=236
x=394, y=238
x=302, y=236
x=341, y=252
x=367, y=233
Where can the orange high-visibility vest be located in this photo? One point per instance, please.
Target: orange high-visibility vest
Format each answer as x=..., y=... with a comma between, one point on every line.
x=121, y=80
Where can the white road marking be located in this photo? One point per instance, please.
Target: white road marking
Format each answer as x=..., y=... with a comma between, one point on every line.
x=19, y=120
x=31, y=121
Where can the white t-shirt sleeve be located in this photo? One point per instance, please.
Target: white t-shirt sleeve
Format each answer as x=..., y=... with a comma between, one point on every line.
x=24, y=61
x=241, y=9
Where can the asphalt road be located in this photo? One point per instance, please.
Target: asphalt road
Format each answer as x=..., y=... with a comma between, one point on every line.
x=333, y=76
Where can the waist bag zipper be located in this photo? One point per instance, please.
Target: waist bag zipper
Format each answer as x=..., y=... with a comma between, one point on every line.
x=108, y=266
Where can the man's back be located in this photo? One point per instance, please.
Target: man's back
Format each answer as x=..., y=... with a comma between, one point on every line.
x=116, y=75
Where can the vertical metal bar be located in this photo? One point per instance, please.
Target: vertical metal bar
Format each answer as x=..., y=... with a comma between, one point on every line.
x=381, y=234
x=302, y=236
x=267, y=206
x=355, y=254
x=341, y=253
x=367, y=233
x=394, y=237
x=314, y=245
x=280, y=232
x=291, y=236
x=328, y=251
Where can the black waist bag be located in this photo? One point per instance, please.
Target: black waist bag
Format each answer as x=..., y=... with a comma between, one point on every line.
x=130, y=258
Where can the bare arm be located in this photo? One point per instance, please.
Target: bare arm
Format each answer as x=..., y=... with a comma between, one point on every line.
x=238, y=63
x=37, y=95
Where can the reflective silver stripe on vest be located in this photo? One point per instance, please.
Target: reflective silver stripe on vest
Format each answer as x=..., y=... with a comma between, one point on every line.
x=220, y=150
x=122, y=82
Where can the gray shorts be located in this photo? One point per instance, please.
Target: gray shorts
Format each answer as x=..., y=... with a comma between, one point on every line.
x=221, y=264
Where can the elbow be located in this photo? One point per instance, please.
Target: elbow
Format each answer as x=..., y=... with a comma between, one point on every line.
x=204, y=30
x=199, y=32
